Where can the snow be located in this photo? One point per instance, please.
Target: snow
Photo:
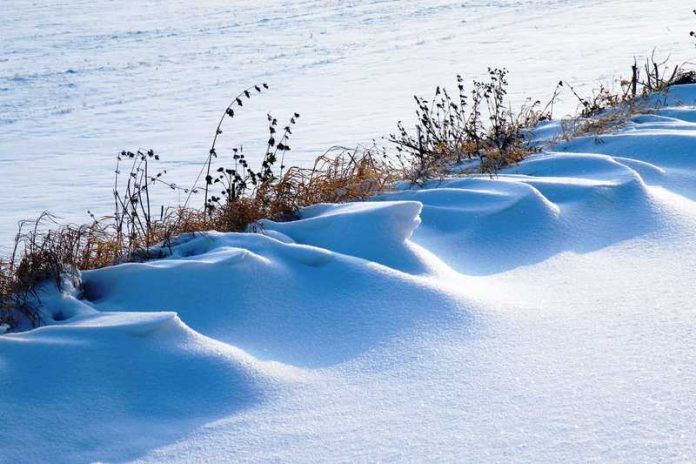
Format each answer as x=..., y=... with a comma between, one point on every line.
x=81, y=80
x=377, y=232
x=544, y=315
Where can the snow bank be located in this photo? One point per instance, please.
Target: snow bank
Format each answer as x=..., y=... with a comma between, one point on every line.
x=544, y=315
x=377, y=232
x=277, y=300
x=107, y=386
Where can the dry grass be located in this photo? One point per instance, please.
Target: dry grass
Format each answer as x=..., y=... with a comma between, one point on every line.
x=44, y=251
x=340, y=175
x=476, y=126
x=606, y=110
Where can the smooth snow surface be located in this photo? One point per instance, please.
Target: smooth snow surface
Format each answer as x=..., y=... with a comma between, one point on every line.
x=546, y=315
x=81, y=80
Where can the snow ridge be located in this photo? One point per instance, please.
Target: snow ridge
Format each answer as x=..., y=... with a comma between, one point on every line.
x=429, y=322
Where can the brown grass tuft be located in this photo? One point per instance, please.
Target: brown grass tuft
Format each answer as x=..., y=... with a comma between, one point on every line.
x=472, y=131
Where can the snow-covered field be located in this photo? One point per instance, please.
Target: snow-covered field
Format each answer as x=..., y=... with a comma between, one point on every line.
x=83, y=79
x=543, y=316
x=547, y=315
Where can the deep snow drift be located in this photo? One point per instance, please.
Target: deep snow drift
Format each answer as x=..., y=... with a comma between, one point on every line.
x=546, y=315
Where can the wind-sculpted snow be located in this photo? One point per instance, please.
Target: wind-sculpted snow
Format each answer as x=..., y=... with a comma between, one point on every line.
x=542, y=315
x=108, y=386
x=379, y=232
x=299, y=304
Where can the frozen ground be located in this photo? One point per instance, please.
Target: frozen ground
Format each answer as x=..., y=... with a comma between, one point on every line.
x=80, y=80
x=544, y=316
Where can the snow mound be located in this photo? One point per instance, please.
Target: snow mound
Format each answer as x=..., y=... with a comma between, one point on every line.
x=548, y=204
x=288, y=302
x=378, y=232
x=544, y=314
x=85, y=388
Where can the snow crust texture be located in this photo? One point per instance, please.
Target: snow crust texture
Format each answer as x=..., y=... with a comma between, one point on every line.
x=545, y=315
